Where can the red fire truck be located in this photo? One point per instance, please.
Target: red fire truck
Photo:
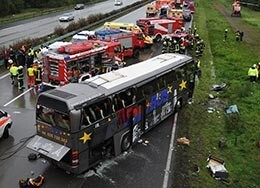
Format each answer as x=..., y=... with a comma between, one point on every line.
x=69, y=62
x=157, y=28
x=131, y=41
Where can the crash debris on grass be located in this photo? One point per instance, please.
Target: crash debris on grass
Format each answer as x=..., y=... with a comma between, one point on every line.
x=217, y=168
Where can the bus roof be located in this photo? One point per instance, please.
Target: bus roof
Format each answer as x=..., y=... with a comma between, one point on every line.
x=80, y=94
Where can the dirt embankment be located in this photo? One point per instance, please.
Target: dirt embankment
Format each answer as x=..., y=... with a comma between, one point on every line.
x=251, y=33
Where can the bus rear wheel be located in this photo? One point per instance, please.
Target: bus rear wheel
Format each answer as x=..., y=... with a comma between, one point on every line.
x=126, y=142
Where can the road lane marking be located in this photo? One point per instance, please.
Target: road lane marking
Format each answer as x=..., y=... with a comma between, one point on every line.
x=169, y=158
x=18, y=96
x=2, y=77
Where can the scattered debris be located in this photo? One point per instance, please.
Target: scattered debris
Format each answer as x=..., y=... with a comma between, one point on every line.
x=211, y=96
x=222, y=142
x=183, y=140
x=31, y=182
x=232, y=115
x=232, y=109
x=211, y=109
x=196, y=170
x=216, y=87
x=43, y=161
x=217, y=168
x=144, y=142
x=33, y=156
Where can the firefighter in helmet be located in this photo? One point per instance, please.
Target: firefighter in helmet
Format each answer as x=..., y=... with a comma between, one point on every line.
x=176, y=46
x=20, y=78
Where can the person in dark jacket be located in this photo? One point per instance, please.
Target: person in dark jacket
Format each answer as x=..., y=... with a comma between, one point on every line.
x=6, y=57
x=241, y=35
x=12, y=55
x=21, y=57
x=20, y=78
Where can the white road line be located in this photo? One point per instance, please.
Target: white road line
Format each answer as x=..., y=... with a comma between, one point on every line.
x=2, y=77
x=169, y=158
x=18, y=96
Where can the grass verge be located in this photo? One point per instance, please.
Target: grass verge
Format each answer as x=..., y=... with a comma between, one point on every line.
x=222, y=62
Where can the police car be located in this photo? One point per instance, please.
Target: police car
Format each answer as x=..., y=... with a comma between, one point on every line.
x=5, y=124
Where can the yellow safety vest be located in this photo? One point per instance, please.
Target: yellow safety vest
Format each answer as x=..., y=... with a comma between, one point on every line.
x=14, y=70
x=253, y=72
x=30, y=71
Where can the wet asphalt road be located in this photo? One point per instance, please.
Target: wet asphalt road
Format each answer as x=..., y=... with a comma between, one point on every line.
x=142, y=167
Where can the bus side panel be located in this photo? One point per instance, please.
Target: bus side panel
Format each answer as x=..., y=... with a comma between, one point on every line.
x=159, y=107
x=130, y=122
x=84, y=161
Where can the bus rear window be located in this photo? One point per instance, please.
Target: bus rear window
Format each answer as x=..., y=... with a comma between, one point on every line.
x=52, y=117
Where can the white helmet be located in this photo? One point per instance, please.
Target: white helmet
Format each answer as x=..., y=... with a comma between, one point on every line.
x=20, y=67
x=10, y=61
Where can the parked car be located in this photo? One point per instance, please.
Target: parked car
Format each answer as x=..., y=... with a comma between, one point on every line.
x=118, y=2
x=84, y=35
x=79, y=6
x=66, y=17
x=5, y=124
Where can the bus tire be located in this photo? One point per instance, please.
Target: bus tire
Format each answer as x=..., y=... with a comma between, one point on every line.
x=126, y=142
x=136, y=53
x=6, y=132
x=158, y=38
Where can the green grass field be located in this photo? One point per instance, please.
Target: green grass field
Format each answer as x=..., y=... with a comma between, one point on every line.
x=224, y=62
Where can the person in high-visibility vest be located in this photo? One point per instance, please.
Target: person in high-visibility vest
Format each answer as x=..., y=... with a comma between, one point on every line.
x=31, y=78
x=38, y=75
x=13, y=71
x=253, y=73
x=237, y=34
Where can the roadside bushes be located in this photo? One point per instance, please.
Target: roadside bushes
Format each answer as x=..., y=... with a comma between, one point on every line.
x=59, y=31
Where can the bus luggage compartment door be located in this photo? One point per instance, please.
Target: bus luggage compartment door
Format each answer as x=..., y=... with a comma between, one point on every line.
x=48, y=148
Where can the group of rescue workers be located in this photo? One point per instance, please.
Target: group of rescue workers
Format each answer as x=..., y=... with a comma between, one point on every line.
x=17, y=62
x=184, y=45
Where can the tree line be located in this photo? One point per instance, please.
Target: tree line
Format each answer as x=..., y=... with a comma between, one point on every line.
x=9, y=7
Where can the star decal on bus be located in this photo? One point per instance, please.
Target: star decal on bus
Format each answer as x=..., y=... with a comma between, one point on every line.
x=169, y=89
x=182, y=85
x=85, y=137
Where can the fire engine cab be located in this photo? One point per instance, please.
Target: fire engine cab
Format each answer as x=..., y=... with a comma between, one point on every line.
x=157, y=28
x=131, y=41
x=70, y=62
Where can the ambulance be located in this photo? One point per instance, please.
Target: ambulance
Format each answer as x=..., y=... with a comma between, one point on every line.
x=5, y=124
